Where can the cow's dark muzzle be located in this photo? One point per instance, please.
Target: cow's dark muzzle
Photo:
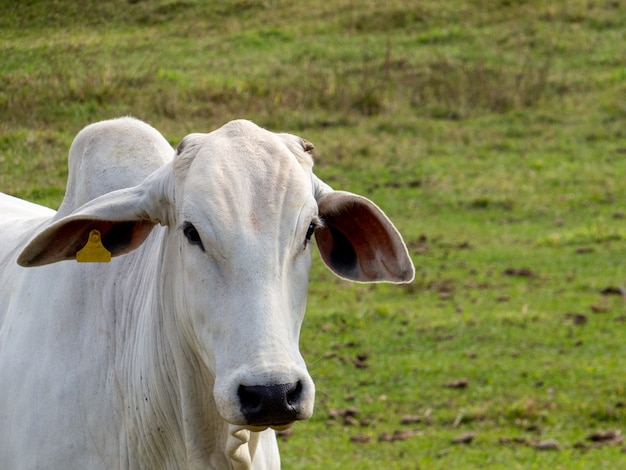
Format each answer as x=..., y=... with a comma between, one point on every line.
x=270, y=405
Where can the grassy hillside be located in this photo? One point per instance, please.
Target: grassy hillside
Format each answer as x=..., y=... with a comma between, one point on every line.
x=493, y=133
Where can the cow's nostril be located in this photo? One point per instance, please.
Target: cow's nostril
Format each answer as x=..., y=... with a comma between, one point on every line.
x=293, y=396
x=268, y=405
x=249, y=398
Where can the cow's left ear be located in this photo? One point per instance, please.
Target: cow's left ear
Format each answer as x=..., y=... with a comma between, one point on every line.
x=124, y=219
x=358, y=241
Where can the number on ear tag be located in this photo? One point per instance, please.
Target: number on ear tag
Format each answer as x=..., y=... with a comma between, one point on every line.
x=93, y=251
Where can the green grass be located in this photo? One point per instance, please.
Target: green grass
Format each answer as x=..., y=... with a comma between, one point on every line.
x=493, y=133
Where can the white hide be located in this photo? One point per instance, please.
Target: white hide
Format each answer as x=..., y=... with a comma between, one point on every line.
x=140, y=363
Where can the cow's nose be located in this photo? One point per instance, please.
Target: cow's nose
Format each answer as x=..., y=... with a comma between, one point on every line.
x=270, y=405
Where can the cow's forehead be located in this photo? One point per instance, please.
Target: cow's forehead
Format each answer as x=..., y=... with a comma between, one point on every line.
x=242, y=168
x=244, y=147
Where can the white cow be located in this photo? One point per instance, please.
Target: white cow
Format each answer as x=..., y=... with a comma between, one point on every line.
x=183, y=353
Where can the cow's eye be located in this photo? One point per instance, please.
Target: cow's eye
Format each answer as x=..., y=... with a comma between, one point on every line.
x=192, y=235
x=309, y=232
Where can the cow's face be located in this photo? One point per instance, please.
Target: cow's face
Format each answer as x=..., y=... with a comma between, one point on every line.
x=245, y=215
x=241, y=205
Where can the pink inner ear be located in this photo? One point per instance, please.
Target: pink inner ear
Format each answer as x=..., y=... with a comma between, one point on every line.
x=62, y=242
x=123, y=237
x=58, y=243
x=359, y=242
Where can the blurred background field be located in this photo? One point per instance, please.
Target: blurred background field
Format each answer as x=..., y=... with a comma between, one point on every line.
x=492, y=132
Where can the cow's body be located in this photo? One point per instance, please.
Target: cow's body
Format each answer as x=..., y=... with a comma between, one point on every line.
x=165, y=357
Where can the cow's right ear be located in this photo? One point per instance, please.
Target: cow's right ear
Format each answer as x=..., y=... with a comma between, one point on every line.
x=357, y=240
x=124, y=219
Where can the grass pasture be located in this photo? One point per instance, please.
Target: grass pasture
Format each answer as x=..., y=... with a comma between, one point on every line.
x=492, y=133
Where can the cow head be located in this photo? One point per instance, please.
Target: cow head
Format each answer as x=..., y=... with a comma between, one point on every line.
x=241, y=205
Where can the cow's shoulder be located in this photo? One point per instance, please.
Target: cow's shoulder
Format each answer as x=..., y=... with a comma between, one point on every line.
x=13, y=208
x=19, y=221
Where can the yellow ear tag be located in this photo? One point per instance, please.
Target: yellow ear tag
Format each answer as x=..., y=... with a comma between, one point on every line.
x=93, y=251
